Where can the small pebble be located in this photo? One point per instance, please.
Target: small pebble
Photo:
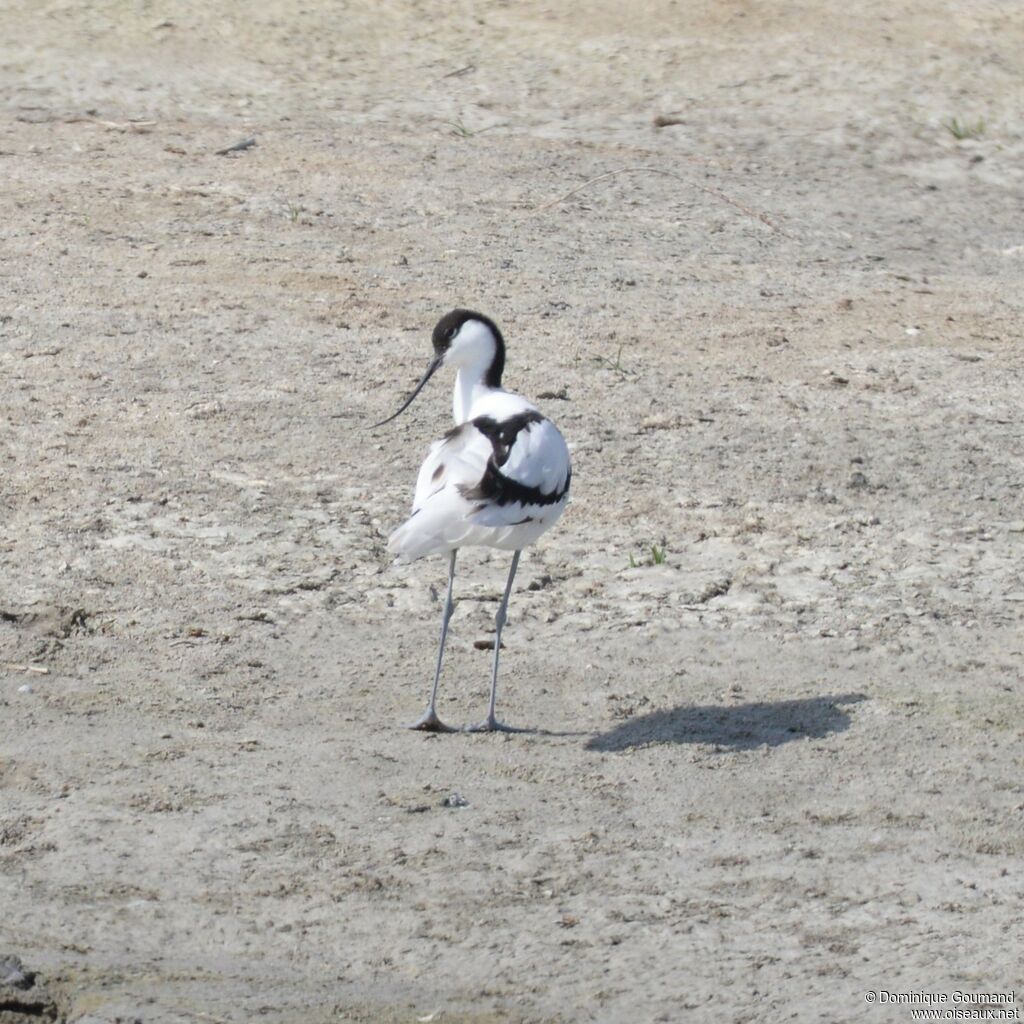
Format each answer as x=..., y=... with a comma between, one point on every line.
x=13, y=973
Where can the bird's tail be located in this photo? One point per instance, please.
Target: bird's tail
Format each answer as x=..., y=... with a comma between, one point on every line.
x=439, y=527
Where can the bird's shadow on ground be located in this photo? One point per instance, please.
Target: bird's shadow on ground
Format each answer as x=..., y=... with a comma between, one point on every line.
x=737, y=726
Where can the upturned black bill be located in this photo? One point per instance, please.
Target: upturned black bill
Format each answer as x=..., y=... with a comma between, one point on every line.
x=415, y=391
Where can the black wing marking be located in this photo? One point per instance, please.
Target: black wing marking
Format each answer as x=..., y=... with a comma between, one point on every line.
x=503, y=433
x=494, y=487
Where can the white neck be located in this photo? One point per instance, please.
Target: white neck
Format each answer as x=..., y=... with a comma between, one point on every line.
x=469, y=385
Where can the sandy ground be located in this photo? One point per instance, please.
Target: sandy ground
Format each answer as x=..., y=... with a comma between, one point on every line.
x=778, y=768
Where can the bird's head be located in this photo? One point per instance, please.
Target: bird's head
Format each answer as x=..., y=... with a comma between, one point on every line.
x=467, y=341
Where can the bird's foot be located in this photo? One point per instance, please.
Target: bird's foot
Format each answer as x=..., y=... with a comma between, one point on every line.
x=491, y=724
x=429, y=722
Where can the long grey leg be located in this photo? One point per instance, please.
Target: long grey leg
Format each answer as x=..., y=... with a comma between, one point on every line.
x=490, y=723
x=429, y=721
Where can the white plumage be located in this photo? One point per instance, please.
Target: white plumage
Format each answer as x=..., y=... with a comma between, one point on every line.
x=444, y=518
x=499, y=478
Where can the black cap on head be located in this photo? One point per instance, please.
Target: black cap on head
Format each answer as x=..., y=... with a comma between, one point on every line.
x=450, y=324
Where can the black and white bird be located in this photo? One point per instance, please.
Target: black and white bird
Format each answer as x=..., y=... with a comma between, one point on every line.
x=499, y=478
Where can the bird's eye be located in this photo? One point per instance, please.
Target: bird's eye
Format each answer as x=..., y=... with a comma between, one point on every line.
x=451, y=332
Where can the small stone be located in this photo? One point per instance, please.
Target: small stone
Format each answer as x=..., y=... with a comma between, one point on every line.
x=486, y=645
x=13, y=973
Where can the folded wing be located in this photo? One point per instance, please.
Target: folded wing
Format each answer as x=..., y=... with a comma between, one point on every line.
x=496, y=482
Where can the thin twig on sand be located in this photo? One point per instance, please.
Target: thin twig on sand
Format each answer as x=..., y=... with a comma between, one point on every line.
x=238, y=147
x=717, y=193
